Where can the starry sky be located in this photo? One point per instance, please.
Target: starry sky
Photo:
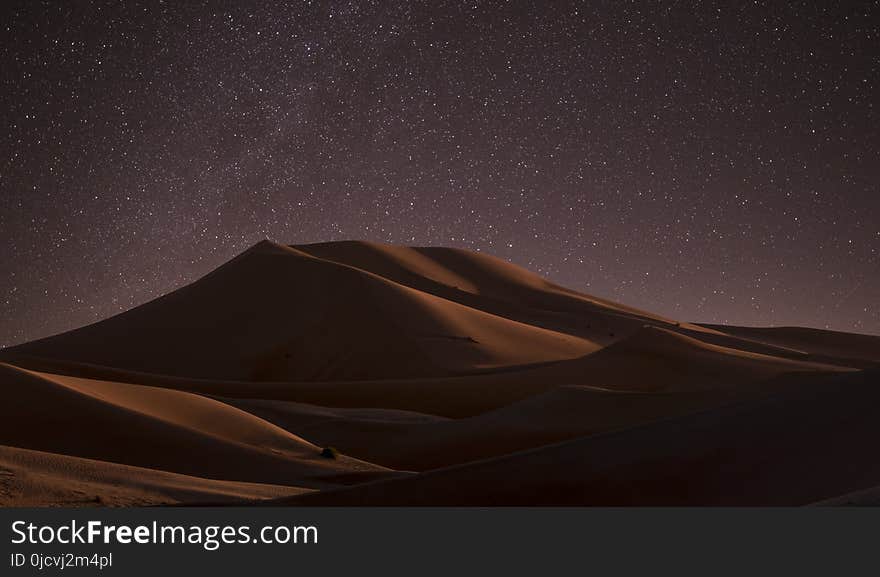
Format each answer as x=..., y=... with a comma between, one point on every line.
x=709, y=161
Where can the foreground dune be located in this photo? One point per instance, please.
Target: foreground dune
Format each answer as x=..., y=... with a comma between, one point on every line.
x=426, y=442
x=159, y=429
x=495, y=385
x=794, y=448
x=865, y=498
x=37, y=479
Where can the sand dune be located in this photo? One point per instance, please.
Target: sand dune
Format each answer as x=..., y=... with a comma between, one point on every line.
x=159, y=429
x=37, y=479
x=832, y=344
x=421, y=442
x=789, y=449
x=652, y=359
x=492, y=285
x=497, y=385
x=865, y=498
x=275, y=313
x=453, y=397
x=659, y=359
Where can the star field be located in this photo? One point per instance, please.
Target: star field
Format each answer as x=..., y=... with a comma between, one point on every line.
x=705, y=161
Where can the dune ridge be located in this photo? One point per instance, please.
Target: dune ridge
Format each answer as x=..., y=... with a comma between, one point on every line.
x=296, y=317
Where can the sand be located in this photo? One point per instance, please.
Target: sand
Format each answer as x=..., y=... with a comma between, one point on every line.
x=160, y=429
x=38, y=479
x=792, y=448
x=440, y=376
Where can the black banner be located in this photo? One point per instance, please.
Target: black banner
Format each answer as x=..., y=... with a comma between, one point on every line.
x=408, y=541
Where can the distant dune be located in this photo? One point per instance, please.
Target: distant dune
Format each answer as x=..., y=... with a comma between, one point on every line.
x=440, y=377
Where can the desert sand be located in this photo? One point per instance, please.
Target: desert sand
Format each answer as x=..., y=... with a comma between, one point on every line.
x=439, y=377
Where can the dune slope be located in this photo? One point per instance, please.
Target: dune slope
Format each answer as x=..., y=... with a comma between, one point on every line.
x=421, y=442
x=833, y=344
x=660, y=359
x=275, y=313
x=794, y=448
x=486, y=283
x=159, y=429
x=37, y=479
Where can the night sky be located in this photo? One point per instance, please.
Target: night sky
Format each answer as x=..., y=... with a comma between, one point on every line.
x=703, y=161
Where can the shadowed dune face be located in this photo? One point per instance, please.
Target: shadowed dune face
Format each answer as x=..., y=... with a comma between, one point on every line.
x=454, y=364
x=421, y=442
x=791, y=448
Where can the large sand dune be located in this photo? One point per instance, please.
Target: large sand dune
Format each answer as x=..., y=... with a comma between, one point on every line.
x=486, y=283
x=276, y=313
x=496, y=385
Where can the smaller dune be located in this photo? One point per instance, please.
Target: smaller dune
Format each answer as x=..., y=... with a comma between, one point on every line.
x=38, y=479
x=159, y=429
x=416, y=442
x=657, y=359
x=796, y=447
x=832, y=344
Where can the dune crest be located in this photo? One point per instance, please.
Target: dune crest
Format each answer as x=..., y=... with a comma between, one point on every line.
x=275, y=313
x=660, y=359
